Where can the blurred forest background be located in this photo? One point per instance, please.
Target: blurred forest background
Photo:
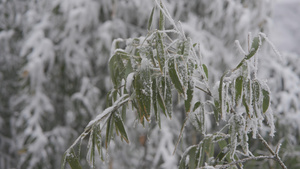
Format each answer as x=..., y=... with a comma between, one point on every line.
x=54, y=76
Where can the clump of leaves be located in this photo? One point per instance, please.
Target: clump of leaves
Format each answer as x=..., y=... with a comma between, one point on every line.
x=146, y=72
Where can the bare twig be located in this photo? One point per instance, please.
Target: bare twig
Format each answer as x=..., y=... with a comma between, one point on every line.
x=244, y=160
x=275, y=154
x=207, y=92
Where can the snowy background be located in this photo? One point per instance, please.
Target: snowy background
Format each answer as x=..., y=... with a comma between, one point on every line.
x=286, y=25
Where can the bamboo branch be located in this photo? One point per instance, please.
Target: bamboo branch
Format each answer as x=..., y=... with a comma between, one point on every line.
x=275, y=154
x=244, y=160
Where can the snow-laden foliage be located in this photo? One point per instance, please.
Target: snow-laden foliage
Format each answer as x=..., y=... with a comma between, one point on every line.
x=54, y=79
x=146, y=72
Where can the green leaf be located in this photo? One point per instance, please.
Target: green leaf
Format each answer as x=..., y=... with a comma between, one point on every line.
x=174, y=76
x=209, y=148
x=256, y=90
x=188, y=152
x=109, y=131
x=205, y=70
x=168, y=97
x=246, y=106
x=180, y=48
x=192, y=158
x=189, y=93
x=73, y=160
x=197, y=104
x=221, y=92
x=98, y=141
x=222, y=144
x=255, y=96
x=90, y=157
x=165, y=96
x=160, y=52
x=150, y=19
x=161, y=24
x=266, y=100
x=128, y=69
x=201, y=148
x=187, y=47
x=161, y=103
x=120, y=126
x=142, y=85
x=117, y=68
x=217, y=110
x=182, y=163
x=154, y=101
x=238, y=88
x=254, y=48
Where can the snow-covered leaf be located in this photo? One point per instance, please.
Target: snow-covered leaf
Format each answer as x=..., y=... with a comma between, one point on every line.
x=238, y=88
x=72, y=159
x=150, y=19
x=266, y=100
x=109, y=130
x=254, y=48
x=190, y=94
x=155, y=101
x=205, y=70
x=174, y=76
x=120, y=127
x=160, y=51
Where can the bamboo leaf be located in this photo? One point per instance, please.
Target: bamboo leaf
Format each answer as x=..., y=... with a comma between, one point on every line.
x=120, y=126
x=73, y=160
x=109, y=131
x=154, y=101
x=266, y=100
x=209, y=147
x=205, y=70
x=150, y=19
x=246, y=106
x=168, y=97
x=161, y=25
x=192, y=158
x=189, y=93
x=255, y=96
x=238, y=88
x=221, y=93
x=117, y=68
x=98, y=141
x=90, y=157
x=187, y=47
x=256, y=91
x=128, y=69
x=160, y=52
x=174, y=76
x=254, y=48
x=161, y=103
x=197, y=104
x=188, y=152
x=217, y=108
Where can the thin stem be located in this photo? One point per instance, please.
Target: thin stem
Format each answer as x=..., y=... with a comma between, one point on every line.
x=245, y=160
x=276, y=156
x=207, y=92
